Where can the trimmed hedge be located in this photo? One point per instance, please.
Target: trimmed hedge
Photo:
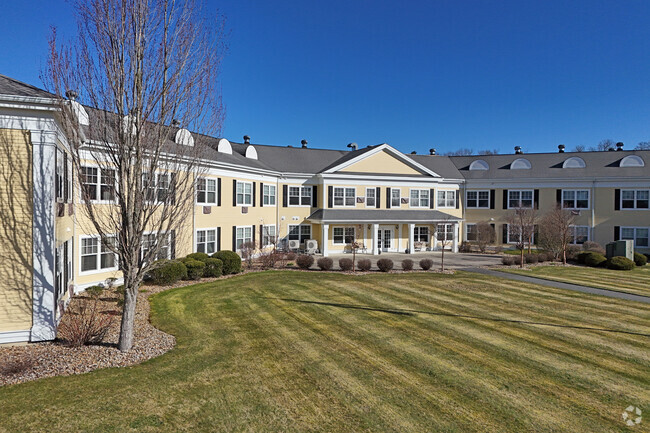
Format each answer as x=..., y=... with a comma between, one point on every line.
x=426, y=264
x=407, y=265
x=508, y=260
x=364, y=265
x=620, y=263
x=231, y=261
x=640, y=259
x=531, y=258
x=583, y=256
x=194, y=267
x=165, y=272
x=595, y=260
x=201, y=257
x=304, y=261
x=385, y=265
x=213, y=267
x=345, y=264
x=325, y=263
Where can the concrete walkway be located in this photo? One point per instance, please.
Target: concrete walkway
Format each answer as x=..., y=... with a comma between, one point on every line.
x=560, y=285
x=452, y=260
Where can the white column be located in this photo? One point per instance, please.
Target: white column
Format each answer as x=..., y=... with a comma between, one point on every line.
x=455, y=241
x=411, y=230
x=399, y=238
x=325, y=238
x=375, y=229
x=434, y=242
x=365, y=235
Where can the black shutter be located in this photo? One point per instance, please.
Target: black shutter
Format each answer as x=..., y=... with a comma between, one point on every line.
x=457, y=199
x=218, y=238
x=493, y=192
x=330, y=196
x=219, y=192
x=558, y=197
x=432, y=195
x=505, y=199
x=261, y=194
x=314, y=196
x=504, y=233
x=254, y=189
x=234, y=192
x=172, y=245
x=285, y=195
x=172, y=188
x=253, y=233
x=66, y=193
x=536, y=195
x=388, y=198
x=617, y=233
x=617, y=199
x=261, y=234
x=378, y=198
x=234, y=238
x=535, y=234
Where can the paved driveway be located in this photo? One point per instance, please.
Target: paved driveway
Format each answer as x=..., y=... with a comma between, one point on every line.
x=452, y=260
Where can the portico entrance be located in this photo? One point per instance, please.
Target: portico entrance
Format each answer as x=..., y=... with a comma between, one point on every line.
x=385, y=237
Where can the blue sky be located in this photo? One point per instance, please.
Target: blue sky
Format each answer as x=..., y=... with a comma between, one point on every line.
x=443, y=74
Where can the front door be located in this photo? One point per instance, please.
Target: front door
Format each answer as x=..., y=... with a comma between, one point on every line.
x=385, y=239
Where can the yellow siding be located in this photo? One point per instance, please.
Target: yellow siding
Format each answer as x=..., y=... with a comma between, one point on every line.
x=16, y=264
x=383, y=163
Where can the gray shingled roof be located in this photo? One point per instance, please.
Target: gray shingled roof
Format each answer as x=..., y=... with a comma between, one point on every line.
x=380, y=215
x=439, y=164
x=549, y=165
x=295, y=159
x=9, y=86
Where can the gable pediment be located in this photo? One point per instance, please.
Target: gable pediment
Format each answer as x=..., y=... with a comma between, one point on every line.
x=382, y=160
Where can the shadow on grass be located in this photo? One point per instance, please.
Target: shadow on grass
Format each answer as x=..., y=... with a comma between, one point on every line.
x=405, y=312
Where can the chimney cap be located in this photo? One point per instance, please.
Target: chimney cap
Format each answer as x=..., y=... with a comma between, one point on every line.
x=518, y=150
x=561, y=148
x=176, y=122
x=304, y=143
x=71, y=94
x=432, y=151
x=619, y=145
x=247, y=139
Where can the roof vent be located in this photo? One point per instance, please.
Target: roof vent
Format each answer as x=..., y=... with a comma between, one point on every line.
x=518, y=150
x=247, y=139
x=304, y=144
x=619, y=146
x=71, y=94
x=353, y=146
x=611, y=149
x=414, y=153
x=561, y=148
x=432, y=151
x=176, y=123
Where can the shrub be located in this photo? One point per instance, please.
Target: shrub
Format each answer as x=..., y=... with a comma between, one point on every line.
x=201, y=257
x=165, y=272
x=594, y=247
x=364, y=265
x=213, y=267
x=94, y=291
x=195, y=268
x=465, y=247
x=291, y=256
x=543, y=257
x=620, y=263
x=385, y=265
x=231, y=261
x=84, y=323
x=426, y=264
x=640, y=259
x=325, y=263
x=582, y=256
x=572, y=252
x=595, y=260
x=407, y=264
x=16, y=366
x=508, y=260
x=304, y=261
x=345, y=264
x=531, y=258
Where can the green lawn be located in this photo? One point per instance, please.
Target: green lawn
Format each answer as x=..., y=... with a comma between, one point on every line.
x=325, y=352
x=636, y=281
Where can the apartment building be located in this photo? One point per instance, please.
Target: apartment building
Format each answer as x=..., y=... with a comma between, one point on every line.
x=385, y=200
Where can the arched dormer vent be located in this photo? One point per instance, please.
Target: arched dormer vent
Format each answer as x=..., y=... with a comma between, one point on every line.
x=479, y=164
x=574, y=162
x=520, y=164
x=184, y=137
x=632, y=161
x=251, y=152
x=224, y=146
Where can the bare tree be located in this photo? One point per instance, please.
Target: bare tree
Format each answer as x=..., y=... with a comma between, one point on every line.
x=556, y=231
x=460, y=152
x=521, y=227
x=485, y=235
x=444, y=238
x=579, y=148
x=488, y=152
x=643, y=145
x=147, y=68
x=604, y=145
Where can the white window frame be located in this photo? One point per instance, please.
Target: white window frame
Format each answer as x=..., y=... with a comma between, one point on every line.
x=635, y=199
x=244, y=194
x=635, y=237
x=98, y=256
x=198, y=239
x=478, y=198
x=525, y=241
x=417, y=234
x=374, y=197
x=144, y=247
x=519, y=200
x=300, y=232
x=445, y=198
x=447, y=232
x=101, y=176
x=575, y=199
x=244, y=238
x=267, y=235
x=345, y=190
x=269, y=195
x=417, y=203
x=207, y=182
x=344, y=234
x=574, y=234
x=301, y=196
x=395, y=197
x=467, y=226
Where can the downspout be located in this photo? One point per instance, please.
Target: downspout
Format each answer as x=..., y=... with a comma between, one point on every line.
x=592, y=204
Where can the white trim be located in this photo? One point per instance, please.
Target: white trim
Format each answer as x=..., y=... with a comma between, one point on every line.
x=446, y=206
x=8, y=337
x=344, y=188
x=300, y=197
x=99, y=270
x=196, y=238
x=399, y=199
x=532, y=198
x=244, y=193
x=575, y=200
x=354, y=236
x=635, y=208
x=374, y=191
x=216, y=191
x=478, y=191
x=428, y=194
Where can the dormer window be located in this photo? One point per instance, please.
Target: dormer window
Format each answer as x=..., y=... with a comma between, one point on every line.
x=632, y=161
x=520, y=164
x=574, y=162
x=479, y=164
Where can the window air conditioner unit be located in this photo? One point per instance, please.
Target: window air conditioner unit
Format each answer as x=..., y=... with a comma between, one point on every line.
x=294, y=244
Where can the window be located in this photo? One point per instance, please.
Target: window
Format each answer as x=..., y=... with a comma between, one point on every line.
x=345, y=196
x=60, y=174
x=300, y=232
x=446, y=198
x=395, y=197
x=520, y=199
x=206, y=241
x=421, y=234
x=96, y=255
x=243, y=235
x=575, y=199
x=471, y=232
x=635, y=199
x=638, y=234
x=445, y=232
x=244, y=194
x=343, y=235
x=149, y=242
x=419, y=198
x=514, y=235
x=478, y=199
x=579, y=234
x=300, y=196
x=160, y=187
x=268, y=235
x=206, y=191
x=98, y=184
x=269, y=195
x=371, y=198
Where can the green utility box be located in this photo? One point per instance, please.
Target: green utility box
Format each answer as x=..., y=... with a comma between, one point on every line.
x=620, y=248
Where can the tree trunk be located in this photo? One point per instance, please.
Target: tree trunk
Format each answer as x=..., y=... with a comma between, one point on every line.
x=128, y=315
x=521, y=263
x=564, y=255
x=442, y=259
